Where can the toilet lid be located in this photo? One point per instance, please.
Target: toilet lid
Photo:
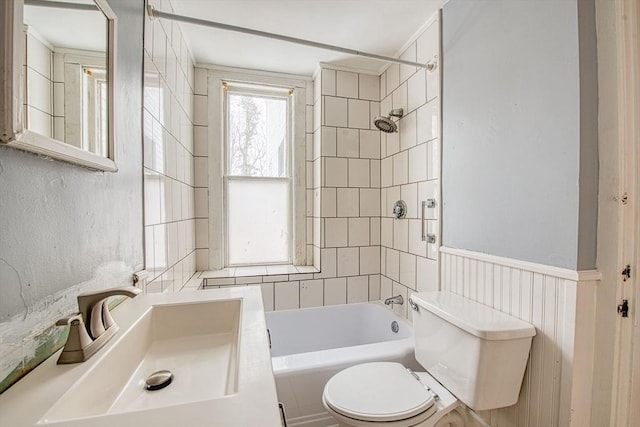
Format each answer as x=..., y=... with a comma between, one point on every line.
x=378, y=391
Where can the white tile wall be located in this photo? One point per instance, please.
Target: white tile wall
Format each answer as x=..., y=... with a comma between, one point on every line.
x=410, y=170
x=173, y=208
x=354, y=175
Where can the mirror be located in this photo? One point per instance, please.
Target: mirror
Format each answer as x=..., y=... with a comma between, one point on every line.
x=66, y=81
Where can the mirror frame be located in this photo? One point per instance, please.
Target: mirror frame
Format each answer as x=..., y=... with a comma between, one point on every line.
x=12, y=131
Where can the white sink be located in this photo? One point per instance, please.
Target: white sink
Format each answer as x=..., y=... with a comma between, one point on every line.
x=214, y=342
x=197, y=342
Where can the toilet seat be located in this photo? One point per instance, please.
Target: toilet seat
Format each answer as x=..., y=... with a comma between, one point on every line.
x=379, y=392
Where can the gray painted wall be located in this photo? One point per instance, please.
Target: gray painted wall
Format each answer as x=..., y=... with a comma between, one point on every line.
x=519, y=173
x=65, y=229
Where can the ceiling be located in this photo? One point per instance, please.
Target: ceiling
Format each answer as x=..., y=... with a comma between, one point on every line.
x=375, y=26
x=69, y=28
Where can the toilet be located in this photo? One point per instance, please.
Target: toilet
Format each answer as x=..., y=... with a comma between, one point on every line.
x=472, y=354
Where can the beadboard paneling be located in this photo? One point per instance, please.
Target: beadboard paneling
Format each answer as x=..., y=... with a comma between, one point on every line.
x=557, y=373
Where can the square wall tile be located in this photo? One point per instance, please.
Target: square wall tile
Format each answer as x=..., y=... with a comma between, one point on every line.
x=383, y=85
x=427, y=44
x=328, y=86
x=386, y=288
x=408, y=131
x=335, y=111
x=370, y=144
x=335, y=291
x=408, y=55
x=374, y=287
x=393, y=143
x=287, y=295
x=369, y=202
x=358, y=114
x=427, y=275
x=408, y=270
x=348, y=261
x=327, y=263
x=433, y=159
x=409, y=193
x=417, y=90
x=401, y=234
x=335, y=172
x=386, y=172
x=375, y=173
x=400, y=97
x=375, y=231
x=357, y=289
x=393, y=78
x=328, y=147
x=393, y=264
x=348, y=202
x=387, y=231
x=428, y=121
x=359, y=173
x=346, y=84
x=369, y=87
x=268, y=297
x=418, y=163
x=358, y=231
x=311, y=293
x=328, y=203
x=335, y=232
x=416, y=245
x=370, y=260
x=348, y=142
x=401, y=168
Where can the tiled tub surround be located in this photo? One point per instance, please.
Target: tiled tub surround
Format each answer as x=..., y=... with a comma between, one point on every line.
x=410, y=171
x=169, y=179
x=354, y=173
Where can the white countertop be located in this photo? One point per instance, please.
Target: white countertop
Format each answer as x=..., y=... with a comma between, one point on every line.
x=254, y=404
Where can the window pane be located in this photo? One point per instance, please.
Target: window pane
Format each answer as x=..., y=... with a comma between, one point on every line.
x=257, y=136
x=258, y=222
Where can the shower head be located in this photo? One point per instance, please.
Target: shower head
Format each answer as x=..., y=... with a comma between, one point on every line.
x=385, y=124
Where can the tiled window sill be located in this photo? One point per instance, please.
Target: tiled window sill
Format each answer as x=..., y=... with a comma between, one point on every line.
x=256, y=274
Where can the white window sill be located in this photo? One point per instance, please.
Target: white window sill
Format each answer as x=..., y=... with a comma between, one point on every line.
x=265, y=270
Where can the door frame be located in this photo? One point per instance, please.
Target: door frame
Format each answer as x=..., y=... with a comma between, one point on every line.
x=626, y=383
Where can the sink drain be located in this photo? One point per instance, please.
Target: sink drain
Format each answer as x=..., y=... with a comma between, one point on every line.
x=158, y=380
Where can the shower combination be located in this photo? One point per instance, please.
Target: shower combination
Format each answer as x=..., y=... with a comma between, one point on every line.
x=386, y=124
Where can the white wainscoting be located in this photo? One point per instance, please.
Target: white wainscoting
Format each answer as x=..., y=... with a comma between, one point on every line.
x=560, y=303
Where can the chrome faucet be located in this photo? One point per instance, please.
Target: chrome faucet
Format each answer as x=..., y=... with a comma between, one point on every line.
x=394, y=300
x=93, y=326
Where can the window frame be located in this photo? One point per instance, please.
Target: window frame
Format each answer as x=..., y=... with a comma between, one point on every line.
x=261, y=91
x=214, y=120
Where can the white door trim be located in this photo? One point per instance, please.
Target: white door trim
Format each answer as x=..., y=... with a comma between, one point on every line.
x=626, y=386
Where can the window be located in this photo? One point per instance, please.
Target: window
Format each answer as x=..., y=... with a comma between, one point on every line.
x=257, y=175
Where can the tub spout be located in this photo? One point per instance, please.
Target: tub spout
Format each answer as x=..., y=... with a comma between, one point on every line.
x=394, y=300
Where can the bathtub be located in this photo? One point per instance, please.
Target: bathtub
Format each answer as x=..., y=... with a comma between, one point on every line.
x=309, y=346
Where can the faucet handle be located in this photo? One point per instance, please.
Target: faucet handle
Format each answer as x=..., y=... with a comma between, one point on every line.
x=78, y=336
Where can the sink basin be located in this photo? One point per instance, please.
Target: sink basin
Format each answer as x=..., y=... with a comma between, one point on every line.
x=197, y=342
x=213, y=341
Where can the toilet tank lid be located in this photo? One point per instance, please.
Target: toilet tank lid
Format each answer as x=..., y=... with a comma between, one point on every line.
x=475, y=318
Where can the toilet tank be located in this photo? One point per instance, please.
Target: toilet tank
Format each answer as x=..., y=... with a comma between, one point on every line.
x=478, y=353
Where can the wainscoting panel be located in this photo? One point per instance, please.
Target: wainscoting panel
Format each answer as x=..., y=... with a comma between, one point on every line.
x=552, y=394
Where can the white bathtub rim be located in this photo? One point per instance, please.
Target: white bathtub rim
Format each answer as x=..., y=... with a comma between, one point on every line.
x=318, y=360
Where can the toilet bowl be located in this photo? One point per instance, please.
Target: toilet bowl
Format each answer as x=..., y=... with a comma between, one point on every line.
x=472, y=354
x=387, y=393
